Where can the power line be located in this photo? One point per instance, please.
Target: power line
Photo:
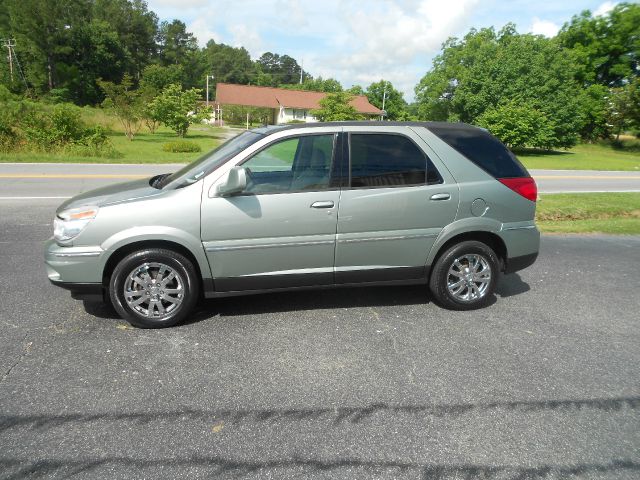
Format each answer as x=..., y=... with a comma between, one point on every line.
x=9, y=44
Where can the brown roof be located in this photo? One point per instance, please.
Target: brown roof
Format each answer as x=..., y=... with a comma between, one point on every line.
x=249, y=95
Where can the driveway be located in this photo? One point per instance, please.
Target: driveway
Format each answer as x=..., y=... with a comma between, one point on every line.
x=359, y=384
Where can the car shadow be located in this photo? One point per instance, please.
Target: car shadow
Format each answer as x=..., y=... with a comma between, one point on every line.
x=511, y=285
x=295, y=301
x=291, y=301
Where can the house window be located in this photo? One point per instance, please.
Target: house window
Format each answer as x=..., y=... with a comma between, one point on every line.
x=300, y=114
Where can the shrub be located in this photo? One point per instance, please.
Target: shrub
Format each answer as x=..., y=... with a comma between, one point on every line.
x=8, y=137
x=60, y=128
x=181, y=146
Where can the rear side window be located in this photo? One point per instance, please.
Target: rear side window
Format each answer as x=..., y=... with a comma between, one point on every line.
x=386, y=160
x=482, y=149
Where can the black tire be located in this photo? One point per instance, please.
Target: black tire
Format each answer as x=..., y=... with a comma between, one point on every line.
x=438, y=283
x=186, y=277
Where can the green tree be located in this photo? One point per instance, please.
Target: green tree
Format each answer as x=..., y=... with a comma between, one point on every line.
x=136, y=28
x=94, y=52
x=624, y=107
x=228, y=64
x=319, y=84
x=282, y=68
x=40, y=28
x=607, y=48
x=593, y=107
x=336, y=107
x=125, y=104
x=175, y=42
x=518, y=125
x=394, y=104
x=487, y=69
x=178, y=109
x=156, y=77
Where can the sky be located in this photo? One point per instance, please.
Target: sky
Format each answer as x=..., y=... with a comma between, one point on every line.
x=361, y=42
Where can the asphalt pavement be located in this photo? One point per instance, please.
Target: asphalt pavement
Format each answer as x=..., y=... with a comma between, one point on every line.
x=58, y=181
x=351, y=384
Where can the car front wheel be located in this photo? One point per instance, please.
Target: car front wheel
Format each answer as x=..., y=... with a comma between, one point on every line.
x=154, y=288
x=465, y=276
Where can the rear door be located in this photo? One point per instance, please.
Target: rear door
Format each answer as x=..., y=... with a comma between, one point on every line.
x=397, y=200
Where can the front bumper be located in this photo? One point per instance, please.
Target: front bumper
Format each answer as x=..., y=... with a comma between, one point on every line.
x=83, y=291
x=78, y=269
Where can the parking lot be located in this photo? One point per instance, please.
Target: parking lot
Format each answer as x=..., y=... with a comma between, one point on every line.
x=357, y=383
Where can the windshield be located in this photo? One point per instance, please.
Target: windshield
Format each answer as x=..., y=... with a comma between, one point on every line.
x=207, y=163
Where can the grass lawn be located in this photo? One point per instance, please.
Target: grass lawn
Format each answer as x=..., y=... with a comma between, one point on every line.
x=616, y=213
x=584, y=156
x=144, y=148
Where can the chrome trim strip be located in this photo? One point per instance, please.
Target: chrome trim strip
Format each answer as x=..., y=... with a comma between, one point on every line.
x=524, y=227
x=382, y=239
x=267, y=245
x=76, y=254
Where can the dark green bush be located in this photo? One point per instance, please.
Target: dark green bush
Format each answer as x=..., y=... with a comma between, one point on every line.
x=8, y=137
x=30, y=126
x=181, y=146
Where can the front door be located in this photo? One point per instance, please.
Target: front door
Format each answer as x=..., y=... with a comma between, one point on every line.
x=394, y=208
x=281, y=231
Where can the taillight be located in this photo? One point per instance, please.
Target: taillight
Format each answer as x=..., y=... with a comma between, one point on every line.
x=525, y=186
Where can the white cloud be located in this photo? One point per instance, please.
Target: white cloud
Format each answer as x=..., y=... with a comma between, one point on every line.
x=353, y=41
x=200, y=28
x=605, y=8
x=391, y=40
x=544, y=27
x=247, y=37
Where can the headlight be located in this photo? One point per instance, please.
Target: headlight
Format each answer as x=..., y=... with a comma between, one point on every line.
x=69, y=223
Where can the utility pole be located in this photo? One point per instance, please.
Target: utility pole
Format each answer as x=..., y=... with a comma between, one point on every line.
x=9, y=44
x=208, y=77
x=301, y=70
x=384, y=98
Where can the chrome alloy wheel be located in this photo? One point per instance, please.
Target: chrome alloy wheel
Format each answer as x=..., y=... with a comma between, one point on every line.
x=469, y=277
x=154, y=290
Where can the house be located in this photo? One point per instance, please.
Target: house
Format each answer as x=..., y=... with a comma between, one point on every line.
x=286, y=105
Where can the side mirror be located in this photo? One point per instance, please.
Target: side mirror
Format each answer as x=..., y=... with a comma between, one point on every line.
x=234, y=182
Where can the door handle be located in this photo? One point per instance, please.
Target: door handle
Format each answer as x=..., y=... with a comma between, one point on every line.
x=440, y=196
x=327, y=204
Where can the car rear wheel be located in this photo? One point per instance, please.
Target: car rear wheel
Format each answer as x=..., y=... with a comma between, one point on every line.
x=465, y=276
x=154, y=288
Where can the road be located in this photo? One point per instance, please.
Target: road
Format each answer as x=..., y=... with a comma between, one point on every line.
x=30, y=181
x=350, y=384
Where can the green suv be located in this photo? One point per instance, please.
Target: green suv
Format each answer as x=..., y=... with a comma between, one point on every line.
x=304, y=206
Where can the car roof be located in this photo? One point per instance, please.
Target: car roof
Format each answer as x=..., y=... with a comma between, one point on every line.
x=441, y=125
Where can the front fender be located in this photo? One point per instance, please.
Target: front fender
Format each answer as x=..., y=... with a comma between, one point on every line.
x=156, y=233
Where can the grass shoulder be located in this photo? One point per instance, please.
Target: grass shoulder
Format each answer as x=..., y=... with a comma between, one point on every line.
x=624, y=156
x=614, y=213
x=144, y=148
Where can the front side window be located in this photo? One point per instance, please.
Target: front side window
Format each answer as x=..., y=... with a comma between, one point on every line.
x=386, y=160
x=291, y=165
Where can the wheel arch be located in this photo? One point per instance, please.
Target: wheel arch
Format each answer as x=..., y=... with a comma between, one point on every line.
x=129, y=248
x=490, y=239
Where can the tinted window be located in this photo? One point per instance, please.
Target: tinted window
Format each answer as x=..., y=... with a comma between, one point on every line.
x=384, y=160
x=482, y=149
x=294, y=164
